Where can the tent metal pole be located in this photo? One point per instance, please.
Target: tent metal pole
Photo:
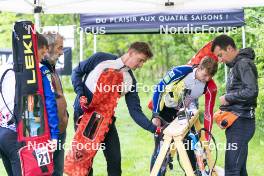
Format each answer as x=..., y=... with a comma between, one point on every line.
x=37, y=16
x=243, y=37
x=95, y=43
x=81, y=45
x=37, y=21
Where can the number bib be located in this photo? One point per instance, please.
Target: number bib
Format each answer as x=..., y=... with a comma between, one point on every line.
x=42, y=155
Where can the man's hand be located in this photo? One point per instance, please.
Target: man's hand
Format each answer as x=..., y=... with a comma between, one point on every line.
x=223, y=100
x=84, y=103
x=156, y=121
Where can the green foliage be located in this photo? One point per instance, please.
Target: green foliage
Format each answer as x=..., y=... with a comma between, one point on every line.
x=255, y=39
x=260, y=110
x=6, y=26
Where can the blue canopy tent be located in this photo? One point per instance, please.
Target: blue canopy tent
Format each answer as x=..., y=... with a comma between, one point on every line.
x=151, y=22
x=163, y=22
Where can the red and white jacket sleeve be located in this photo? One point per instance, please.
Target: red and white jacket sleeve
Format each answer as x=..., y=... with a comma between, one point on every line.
x=210, y=95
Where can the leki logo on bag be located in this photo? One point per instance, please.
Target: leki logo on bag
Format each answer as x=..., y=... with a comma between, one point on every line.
x=29, y=58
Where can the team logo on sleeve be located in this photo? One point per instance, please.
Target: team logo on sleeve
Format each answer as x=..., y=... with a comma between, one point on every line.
x=171, y=73
x=48, y=75
x=168, y=77
x=52, y=88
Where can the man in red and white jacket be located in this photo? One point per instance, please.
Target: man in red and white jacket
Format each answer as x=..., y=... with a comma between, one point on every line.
x=209, y=92
x=198, y=81
x=211, y=88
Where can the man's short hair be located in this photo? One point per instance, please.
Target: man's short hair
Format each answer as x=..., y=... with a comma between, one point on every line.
x=42, y=42
x=223, y=41
x=142, y=47
x=209, y=64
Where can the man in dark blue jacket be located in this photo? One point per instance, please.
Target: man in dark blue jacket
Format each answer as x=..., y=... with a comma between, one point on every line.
x=55, y=42
x=240, y=99
x=90, y=69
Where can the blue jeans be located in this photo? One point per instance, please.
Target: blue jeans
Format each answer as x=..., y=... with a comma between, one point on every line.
x=9, y=151
x=238, y=136
x=58, y=156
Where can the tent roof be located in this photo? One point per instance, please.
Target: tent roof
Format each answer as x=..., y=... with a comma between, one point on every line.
x=121, y=6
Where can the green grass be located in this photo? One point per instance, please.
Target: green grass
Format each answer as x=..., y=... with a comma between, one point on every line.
x=137, y=145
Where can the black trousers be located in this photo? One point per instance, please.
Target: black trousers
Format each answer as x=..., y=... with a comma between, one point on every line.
x=112, y=150
x=58, y=156
x=9, y=151
x=238, y=137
